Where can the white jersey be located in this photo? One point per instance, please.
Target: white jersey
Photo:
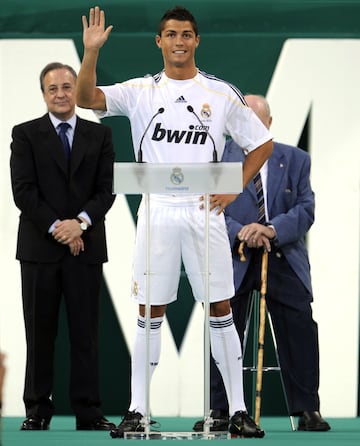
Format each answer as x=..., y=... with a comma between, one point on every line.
x=184, y=120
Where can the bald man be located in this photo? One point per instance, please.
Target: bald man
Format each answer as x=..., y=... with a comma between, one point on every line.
x=289, y=214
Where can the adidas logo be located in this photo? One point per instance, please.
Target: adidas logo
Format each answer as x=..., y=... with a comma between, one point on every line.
x=181, y=99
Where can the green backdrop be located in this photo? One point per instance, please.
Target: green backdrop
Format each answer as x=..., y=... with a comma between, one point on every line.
x=240, y=42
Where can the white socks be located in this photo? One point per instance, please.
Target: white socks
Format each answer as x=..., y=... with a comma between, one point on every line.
x=138, y=361
x=226, y=351
x=225, y=348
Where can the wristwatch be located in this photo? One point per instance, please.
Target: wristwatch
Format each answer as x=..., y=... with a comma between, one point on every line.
x=83, y=225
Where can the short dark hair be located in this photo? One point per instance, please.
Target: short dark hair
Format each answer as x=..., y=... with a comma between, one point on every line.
x=54, y=66
x=178, y=13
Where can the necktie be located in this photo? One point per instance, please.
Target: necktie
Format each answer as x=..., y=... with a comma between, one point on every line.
x=64, y=139
x=260, y=198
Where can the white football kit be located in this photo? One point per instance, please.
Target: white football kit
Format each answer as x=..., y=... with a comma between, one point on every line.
x=182, y=121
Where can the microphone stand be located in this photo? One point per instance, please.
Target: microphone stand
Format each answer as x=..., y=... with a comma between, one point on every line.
x=214, y=154
x=146, y=419
x=208, y=421
x=140, y=153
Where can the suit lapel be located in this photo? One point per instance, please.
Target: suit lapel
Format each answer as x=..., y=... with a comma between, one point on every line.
x=250, y=189
x=234, y=154
x=79, y=146
x=52, y=142
x=276, y=172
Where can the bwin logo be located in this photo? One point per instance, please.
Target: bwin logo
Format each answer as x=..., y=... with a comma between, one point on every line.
x=191, y=136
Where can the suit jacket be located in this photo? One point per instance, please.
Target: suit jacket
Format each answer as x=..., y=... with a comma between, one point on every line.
x=45, y=189
x=290, y=202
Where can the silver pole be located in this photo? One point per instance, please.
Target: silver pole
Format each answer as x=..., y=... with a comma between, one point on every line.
x=207, y=420
x=147, y=319
x=292, y=423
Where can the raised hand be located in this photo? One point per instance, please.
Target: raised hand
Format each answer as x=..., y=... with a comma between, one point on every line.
x=94, y=32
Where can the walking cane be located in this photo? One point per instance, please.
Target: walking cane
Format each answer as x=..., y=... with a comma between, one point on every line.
x=261, y=335
x=262, y=312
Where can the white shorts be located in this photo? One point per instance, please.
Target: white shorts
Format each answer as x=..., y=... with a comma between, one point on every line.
x=177, y=232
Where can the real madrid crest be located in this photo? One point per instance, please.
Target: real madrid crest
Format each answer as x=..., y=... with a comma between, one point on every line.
x=177, y=177
x=206, y=111
x=135, y=288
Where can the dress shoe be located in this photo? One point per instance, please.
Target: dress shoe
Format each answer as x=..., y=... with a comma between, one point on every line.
x=312, y=421
x=34, y=423
x=98, y=424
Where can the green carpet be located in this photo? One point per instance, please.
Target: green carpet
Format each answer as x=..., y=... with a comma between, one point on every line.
x=344, y=432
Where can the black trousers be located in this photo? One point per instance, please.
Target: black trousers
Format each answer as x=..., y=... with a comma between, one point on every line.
x=43, y=286
x=296, y=333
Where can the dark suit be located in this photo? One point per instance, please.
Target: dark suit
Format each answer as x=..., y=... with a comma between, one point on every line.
x=289, y=294
x=46, y=189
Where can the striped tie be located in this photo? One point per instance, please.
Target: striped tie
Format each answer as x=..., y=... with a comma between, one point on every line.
x=260, y=198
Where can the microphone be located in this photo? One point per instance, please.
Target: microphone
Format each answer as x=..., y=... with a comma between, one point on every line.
x=215, y=155
x=140, y=154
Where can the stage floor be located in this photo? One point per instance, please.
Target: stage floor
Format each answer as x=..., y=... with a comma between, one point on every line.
x=344, y=432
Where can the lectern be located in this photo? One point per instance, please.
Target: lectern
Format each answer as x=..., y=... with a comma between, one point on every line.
x=178, y=178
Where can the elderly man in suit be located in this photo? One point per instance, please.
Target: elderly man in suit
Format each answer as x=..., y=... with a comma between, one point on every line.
x=288, y=205
x=61, y=172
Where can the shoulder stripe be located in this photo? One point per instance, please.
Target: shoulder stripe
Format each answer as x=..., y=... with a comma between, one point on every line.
x=235, y=89
x=157, y=77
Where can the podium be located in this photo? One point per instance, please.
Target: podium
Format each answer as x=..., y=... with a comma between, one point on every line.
x=178, y=178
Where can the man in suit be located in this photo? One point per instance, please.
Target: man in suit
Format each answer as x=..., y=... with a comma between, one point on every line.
x=62, y=184
x=289, y=214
